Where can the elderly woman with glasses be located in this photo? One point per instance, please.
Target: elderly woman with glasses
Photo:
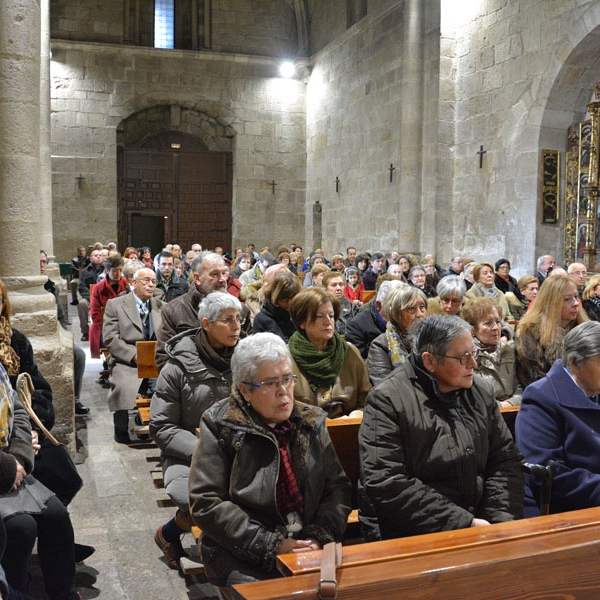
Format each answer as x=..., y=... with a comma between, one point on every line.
x=197, y=374
x=402, y=307
x=435, y=452
x=265, y=478
x=331, y=372
x=451, y=291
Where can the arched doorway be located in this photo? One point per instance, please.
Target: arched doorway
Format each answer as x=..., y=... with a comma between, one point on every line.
x=173, y=186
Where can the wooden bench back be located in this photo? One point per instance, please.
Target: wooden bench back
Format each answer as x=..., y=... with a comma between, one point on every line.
x=145, y=359
x=368, y=295
x=544, y=557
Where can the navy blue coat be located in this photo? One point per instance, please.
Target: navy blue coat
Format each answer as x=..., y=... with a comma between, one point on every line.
x=558, y=421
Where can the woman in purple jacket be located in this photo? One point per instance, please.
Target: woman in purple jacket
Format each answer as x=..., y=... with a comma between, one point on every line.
x=559, y=420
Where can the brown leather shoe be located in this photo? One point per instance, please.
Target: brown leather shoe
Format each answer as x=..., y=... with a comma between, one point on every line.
x=172, y=552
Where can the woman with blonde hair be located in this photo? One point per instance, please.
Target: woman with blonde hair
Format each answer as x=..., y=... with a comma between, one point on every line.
x=591, y=298
x=541, y=331
x=483, y=275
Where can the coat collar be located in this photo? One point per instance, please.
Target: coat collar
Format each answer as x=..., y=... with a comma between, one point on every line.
x=569, y=394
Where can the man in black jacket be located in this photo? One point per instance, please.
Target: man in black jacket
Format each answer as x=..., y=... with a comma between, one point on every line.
x=89, y=276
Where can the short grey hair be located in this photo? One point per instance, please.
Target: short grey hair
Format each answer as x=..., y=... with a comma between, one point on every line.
x=400, y=298
x=433, y=334
x=451, y=285
x=415, y=269
x=196, y=265
x=386, y=287
x=581, y=343
x=136, y=275
x=215, y=303
x=131, y=267
x=253, y=351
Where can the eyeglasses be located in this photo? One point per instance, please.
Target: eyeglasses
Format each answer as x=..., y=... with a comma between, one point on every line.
x=147, y=280
x=271, y=385
x=230, y=321
x=463, y=359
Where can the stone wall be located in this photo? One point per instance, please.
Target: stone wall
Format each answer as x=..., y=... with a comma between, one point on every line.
x=96, y=86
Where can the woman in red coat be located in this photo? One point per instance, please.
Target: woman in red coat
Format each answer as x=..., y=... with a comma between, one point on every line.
x=110, y=287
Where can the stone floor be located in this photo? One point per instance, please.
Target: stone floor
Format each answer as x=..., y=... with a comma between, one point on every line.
x=119, y=509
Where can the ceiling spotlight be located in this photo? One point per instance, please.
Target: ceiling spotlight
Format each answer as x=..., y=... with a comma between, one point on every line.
x=287, y=69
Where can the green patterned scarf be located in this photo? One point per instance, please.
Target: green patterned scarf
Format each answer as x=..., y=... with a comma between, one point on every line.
x=320, y=367
x=398, y=344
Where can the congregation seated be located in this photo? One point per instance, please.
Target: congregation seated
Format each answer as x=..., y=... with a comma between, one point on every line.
x=196, y=375
x=274, y=315
x=527, y=287
x=337, y=263
x=361, y=262
x=495, y=356
x=503, y=280
x=29, y=511
x=541, y=332
x=128, y=319
x=331, y=372
x=78, y=263
x=559, y=420
x=354, y=286
x=89, y=275
x=433, y=401
x=314, y=277
x=451, y=291
x=209, y=273
x=373, y=271
x=369, y=322
x=265, y=478
x=417, y=278
x=467, y=274
x=591, y=298
x=335, y=282
x=403, y=306
x=110, y=287
x=456, y=267
x=483, y=275
x=255, y=273
x=167, y=278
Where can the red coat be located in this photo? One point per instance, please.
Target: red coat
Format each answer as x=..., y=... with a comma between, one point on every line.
x=101, y=294
x=356, y=294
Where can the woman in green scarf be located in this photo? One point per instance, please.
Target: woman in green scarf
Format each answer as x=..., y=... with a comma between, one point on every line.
x=331, y=372
x=403, y=306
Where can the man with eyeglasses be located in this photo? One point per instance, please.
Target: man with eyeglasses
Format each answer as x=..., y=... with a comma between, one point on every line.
x=578, y=273
x=210, y=274
x=128, y=319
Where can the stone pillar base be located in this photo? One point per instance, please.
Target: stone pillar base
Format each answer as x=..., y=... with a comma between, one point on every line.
x=33, y=313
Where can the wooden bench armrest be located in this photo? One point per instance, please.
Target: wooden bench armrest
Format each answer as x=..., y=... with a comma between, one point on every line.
x=145, y=359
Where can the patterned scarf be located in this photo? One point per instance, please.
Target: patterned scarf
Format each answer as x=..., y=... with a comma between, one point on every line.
x=398, y=344
x=8, y=357
x=289, y=497
x=6, y=408
x=321, y=367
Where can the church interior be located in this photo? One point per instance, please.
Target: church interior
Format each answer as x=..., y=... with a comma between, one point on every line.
x=437, y=127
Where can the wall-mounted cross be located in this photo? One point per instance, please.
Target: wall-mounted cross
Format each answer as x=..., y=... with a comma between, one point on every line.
x=337, y=183
x=273, y=184
x=391, y=169
x=481, y=152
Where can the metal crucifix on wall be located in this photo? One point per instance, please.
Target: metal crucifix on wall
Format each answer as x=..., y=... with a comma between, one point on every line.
x=481, y=152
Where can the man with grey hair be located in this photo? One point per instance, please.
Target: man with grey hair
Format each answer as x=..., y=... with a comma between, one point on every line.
x=370, y=322
x=128, y=319
x=210, y=274
x=578, y=273
x=544, y=264
x=559, y=420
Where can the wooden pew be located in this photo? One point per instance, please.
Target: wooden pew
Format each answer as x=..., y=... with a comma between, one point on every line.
x=542, y=557
x=146, y=368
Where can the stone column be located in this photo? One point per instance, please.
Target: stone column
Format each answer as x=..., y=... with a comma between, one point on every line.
x=21, y=222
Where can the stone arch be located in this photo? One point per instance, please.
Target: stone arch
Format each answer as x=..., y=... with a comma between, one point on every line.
x=211, y=132
x=569, y=91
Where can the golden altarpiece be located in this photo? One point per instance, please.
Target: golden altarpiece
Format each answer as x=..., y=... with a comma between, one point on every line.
x=581, y=229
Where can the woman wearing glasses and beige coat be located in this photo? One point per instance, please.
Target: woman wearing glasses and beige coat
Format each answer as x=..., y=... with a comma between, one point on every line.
x=435, y=452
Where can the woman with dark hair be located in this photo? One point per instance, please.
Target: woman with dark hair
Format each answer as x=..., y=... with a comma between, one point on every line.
x=274, y=315
x=362, y=263
x=146, y=257
x=435, y=451
x=331, y=372
x=417, y=278
x=503, y=280
x=265, y=478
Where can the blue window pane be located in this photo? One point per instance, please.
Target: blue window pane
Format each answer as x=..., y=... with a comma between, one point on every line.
x=164, y=23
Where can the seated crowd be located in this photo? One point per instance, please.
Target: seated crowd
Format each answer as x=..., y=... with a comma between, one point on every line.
x=257, y=349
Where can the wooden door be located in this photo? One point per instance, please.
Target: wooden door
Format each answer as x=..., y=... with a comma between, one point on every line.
x=191, y=191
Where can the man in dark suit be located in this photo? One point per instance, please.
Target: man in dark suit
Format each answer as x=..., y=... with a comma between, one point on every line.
x=544, y=265
x=128, y=319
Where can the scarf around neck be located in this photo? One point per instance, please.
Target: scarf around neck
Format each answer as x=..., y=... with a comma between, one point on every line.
x=398, y=344
x=219, y=359
x=8, y=357
x=321, y=367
